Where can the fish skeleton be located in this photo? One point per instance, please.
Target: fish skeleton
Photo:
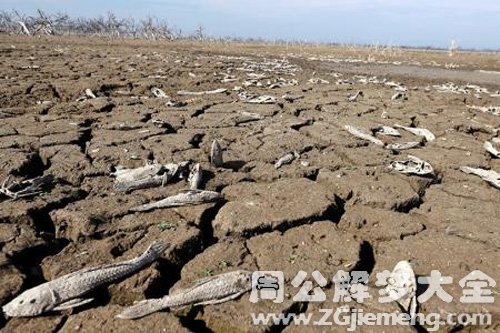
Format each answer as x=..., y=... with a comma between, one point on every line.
x=213, y=290
x=65, y=292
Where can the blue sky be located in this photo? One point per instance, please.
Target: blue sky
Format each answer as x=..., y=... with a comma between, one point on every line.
x=472, y=23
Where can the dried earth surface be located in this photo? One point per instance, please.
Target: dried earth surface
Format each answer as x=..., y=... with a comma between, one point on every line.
x=337, y=206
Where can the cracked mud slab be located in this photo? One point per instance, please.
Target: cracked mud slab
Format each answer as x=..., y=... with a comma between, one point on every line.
x=253, y=208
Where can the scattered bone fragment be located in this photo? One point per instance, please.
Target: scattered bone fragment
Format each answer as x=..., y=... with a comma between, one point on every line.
x=175, y=104
x=402, y=287
x=386, y=130
x=195, y=177
x=282, y=83
x=317, y=80
x=489, y=176
x=412, y=166
x=66, y=291
x=491, y=149
x=355, y=97
x=291, y=98
x=191, y=197
x=286, y=159
x=200, y=93
x=212, y=290
x=397, y=146
x=245, y=117
x=158, y=93
x=399, y=96
x=423, y=132
x=494, y=110
x=256, y=99
x=216, y=154
x=26, y=188
x=361, y=134
x=89, y=93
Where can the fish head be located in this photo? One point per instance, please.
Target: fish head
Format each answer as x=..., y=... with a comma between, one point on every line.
x=245, y=279
x=30, y=303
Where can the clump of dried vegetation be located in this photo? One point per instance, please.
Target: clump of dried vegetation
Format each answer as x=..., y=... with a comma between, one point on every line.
x=109, y=25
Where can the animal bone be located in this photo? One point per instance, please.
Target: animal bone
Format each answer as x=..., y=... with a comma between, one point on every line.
x=386, y=130
x=402, y=145
x=287, y=159
x=423, y=132
x=26, y=188
x=291, y=98
x=492, y=150
x=355, y=97
x=199, y=93
x=359, y=133
x=65, y=291
x=413, y=166
x=317, y=81
x=399, y=96
x=213, y=290
x=191, y=197
x=494, y=110
x=256, y=99
x=89, y=93
x=489, y=176
x=157, y=92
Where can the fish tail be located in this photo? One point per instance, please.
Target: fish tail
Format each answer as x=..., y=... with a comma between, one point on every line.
x=142, y=309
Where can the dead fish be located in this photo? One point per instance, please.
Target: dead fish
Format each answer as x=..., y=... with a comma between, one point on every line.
x=216, y=158
x=317, y=81
x=413, y=166
x=287, y=159
x=355, y=97
x=399, y=96
x=386, y=130
x=89, y=93
x=492, y=150
x=212, y=290
x=175, y=104
x=489, y=176
x=423, y=132
x=359, y=133
x=402, y=287
x=191, y=197
x=245, y=117
x=123, y=174
x=291, y=98
x=65, y=292
x=158, y=93
x=397, y=146
x=199, y=93
x=26, y=188
x=151, y=175
x=195, y=177
x=257, y=99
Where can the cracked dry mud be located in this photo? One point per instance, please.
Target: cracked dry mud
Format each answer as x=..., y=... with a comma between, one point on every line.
x=337, y=206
